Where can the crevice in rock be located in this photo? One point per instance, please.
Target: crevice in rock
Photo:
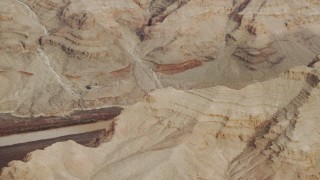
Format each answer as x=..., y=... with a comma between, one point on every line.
x=265, y=144
x=158, y=11
x=161, y=16
x=314, y=61
x=158, y=6
x=234, y=15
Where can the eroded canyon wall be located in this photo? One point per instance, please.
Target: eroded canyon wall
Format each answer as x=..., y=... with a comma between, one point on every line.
x=58, y=56
x=207, y=85
x=266, y=130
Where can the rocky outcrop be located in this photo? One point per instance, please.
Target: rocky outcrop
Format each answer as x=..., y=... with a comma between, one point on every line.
x=19, y=151
x=177, y=68
x=50, y=54
x=266, y=130
x=15, y=125
x=70, y=59
x=124, y=49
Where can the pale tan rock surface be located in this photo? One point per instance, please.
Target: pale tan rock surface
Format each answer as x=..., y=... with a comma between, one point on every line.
x=206, y=82
x=58, y=56
x=266, y=130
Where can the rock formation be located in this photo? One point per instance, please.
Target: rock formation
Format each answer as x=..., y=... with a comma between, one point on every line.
x=205, y=84
x=64, y=55
x=266, y=130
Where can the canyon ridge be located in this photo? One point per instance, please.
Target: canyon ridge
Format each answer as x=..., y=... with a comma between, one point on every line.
x=193, y=89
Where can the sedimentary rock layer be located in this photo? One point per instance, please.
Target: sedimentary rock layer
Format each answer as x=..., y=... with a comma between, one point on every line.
x=177, y=65
x=58, y=56
x=14, y=125
x=20, y=151
x=266, y=130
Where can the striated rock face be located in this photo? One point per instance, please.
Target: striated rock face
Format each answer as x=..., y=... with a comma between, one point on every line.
x=207, y=85
x=266, y=130
x=58, y=56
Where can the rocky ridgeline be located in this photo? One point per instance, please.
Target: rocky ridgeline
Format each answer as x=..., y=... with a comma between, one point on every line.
x=125, y=49
x=178, y=65
x=265, y=130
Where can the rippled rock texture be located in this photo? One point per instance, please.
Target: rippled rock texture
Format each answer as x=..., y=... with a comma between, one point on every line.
x=58, y=56
x=207, y=85
x=266, y=130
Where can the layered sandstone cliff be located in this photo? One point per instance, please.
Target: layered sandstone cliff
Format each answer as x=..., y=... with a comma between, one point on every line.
x=207, y=85
x=266, y=130
x=58, y=56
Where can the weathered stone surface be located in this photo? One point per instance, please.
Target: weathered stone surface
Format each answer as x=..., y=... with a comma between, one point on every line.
x=207, y=85
x=15, y=125
x=266, y=130
x=52, y=50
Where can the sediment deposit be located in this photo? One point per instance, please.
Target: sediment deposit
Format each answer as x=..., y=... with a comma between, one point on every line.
x=223, y=89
